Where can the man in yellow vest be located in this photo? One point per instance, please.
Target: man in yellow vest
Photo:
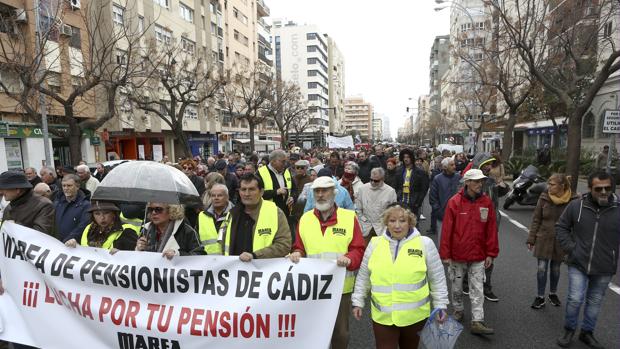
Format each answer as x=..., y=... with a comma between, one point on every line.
x=279, y=186
x=256, y=228
x=211, y=219
x=330, y=232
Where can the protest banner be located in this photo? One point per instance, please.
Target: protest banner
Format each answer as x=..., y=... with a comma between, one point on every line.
x=60, y=297
x=343, y=142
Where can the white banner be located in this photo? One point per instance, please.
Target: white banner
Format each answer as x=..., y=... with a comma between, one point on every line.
x=340, y=142
x=59, y=297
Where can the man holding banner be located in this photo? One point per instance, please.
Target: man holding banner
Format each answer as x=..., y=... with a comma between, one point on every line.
x=256, y=228
x=330, y=232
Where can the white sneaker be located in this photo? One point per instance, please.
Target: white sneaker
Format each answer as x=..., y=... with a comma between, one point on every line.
x=422, y=217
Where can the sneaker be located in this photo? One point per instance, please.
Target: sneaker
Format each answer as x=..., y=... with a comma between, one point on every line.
x=422, y=217
x=491, y=297
x=588, y=339
x=553, y=299
x=539, y=302
x=458, y=315
x=478, y=327
x=566, y=338
x=465, y=290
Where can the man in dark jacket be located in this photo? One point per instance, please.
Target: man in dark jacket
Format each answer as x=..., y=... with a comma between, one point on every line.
x=411, y=183
x=366, y=165
x=443, y=187
x=71, y=209
x=588, y=232
x=31, y=174
x=335, y=164
x=380, y=156
x=232, y=183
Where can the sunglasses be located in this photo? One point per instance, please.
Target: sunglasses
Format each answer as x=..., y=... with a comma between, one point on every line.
x=376, y=180
x=600, y=189
x=188, y=168
x=156, y=210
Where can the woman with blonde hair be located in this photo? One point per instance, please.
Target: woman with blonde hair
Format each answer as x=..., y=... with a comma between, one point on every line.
x=542, y=240
x=168, y=232
x=405, y=277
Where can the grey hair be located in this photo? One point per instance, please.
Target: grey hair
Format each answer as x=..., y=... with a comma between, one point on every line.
x=48, y=170
x=72, y=176
x=219, y=186
x=277, y=154
x=355, y=167
x=378, y=170
x=82, y=168
x=446, y=162
x=31, y=168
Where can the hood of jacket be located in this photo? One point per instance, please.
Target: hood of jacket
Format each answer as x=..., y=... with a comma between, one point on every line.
x=482, y=158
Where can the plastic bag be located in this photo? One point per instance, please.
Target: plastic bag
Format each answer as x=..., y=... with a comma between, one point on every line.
x=440, y=336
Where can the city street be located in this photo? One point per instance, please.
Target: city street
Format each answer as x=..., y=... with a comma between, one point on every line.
x=514, y=282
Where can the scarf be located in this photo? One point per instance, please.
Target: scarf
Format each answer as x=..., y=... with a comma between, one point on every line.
x=561, y=200
x=348, y=185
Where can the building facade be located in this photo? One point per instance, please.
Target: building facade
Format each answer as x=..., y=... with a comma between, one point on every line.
x=358, y=117
x=336, y=88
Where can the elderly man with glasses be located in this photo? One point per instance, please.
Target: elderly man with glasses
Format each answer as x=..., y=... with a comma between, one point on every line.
x=372, y=199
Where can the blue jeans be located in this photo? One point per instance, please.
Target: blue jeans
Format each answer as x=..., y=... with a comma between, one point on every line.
x=589, y=287
x=541, y=276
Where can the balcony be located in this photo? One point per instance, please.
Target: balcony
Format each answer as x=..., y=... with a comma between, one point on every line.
x=264, y=58
x=261, y=9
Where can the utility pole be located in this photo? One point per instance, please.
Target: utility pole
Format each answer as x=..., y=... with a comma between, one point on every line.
x=40, y=74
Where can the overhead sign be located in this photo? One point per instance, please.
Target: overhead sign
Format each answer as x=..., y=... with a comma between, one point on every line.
x=57, y=297
x=612, y=121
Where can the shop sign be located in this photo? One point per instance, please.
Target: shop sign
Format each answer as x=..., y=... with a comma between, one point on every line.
x=95, y=140
x=612, y=121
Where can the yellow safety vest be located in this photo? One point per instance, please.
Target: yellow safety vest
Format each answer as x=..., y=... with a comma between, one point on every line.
x=208, y=234
x=265, y=174
x=135, y=223
x=109, y=242
x=331, y=245
x=399, y=290
x=265, y=230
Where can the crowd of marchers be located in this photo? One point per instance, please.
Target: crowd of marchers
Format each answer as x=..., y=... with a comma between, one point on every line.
x=360, y=209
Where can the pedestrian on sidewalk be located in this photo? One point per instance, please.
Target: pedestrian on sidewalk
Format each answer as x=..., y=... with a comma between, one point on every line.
x=542, y=239
x=589, y=233
x=468, y=246
x=400, y=268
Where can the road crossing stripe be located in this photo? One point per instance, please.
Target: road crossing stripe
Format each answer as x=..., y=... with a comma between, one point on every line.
x=513, y=221
x=612, y=286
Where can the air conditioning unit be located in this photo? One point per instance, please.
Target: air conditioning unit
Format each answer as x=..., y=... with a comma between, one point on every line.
x=592, y=10
x=75, y=4
x=66, y=29
x=20, y=15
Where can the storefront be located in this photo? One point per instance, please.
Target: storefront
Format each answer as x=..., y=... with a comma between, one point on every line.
x=131, y=145
x=203, y=145
x=21, y=145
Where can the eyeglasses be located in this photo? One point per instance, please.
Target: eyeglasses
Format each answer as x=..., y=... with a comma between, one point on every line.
x=156, y=210
x=188, y=168
x=376, y=180
x=600, y=189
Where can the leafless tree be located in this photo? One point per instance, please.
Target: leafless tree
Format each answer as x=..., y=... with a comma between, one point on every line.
x=567, y=48
x=78, y=68
x=285, y=105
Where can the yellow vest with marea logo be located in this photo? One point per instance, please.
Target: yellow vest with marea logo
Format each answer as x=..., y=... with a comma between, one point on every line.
x=134, y=223
x=265, y=230
x=399, y=289
x=331, y=245
x=265, y=174
x=208, y=234
x=109, y=242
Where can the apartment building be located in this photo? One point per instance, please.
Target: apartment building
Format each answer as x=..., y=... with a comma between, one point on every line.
x=336, y=88
x=358, y=116
x=377, y=128
x=65, y=47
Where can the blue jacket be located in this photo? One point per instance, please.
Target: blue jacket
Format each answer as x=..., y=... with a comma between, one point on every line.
x=343, y=200
x=442, y=189
x=71, y=217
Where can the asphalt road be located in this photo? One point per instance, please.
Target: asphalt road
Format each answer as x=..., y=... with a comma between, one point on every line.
x=514, y=282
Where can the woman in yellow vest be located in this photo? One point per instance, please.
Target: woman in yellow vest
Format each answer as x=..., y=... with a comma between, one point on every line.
x=106, y=229
x=405, y=277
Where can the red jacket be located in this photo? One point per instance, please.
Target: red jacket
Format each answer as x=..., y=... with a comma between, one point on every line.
x=465, y=235
x=356, y=247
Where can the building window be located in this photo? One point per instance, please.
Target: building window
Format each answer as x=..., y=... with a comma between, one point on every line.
x=117, y=15
x=163, y=35
x=313, y=61
x=608, y=29
x=121, y=56
x=312, y=48
x=465, y=27
x=54, y=82
x=49, y=26
x=313, y=97
x=140, y=24
x=588, y=126
x=311, y=36
x=480, y=25
x=313, y=72
x=162, y=3
x=76, y=41
x=240, y=16
x=186, y=13
x=313, y=84
x=188, y=46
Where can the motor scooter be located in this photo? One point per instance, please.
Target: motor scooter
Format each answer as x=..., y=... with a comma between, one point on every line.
x=526, y=189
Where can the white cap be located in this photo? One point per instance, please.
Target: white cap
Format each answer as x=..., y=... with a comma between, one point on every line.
x=473, y=174
x=323, y=182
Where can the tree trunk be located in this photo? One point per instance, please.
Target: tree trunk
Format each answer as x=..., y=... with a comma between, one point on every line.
x=75, y=136
x=574, y=146
x=251, y=137
x=182, y=139
x=508, y=134
x=283, y=139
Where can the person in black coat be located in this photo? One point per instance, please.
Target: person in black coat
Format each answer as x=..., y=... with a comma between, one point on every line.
x=412, y=183
x=366, y=165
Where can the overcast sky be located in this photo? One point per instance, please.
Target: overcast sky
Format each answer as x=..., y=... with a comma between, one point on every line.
x=386, y=45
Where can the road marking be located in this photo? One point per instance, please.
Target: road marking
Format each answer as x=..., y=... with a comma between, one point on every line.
x=513, y=221
x=612, y=286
